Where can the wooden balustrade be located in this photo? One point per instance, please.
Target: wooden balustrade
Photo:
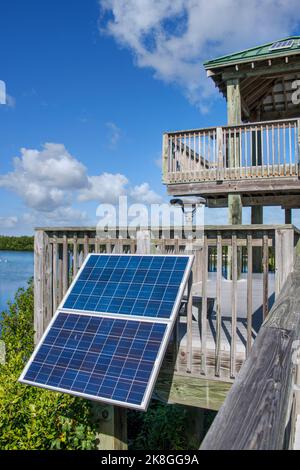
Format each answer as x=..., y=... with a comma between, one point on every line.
x=215, y=334
x=262, y=409
x=256, y=150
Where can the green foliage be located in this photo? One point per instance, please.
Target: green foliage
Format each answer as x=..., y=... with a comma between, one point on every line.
x=33, y=418
x=16, y=243
x=161, y=428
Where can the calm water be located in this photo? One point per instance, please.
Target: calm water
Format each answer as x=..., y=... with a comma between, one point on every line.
x=15, y=270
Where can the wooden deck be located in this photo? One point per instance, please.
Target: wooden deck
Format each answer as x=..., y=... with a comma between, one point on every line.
x=226, y=313
x=256, y=160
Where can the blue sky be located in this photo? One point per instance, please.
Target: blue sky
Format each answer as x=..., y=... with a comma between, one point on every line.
x=99, y=83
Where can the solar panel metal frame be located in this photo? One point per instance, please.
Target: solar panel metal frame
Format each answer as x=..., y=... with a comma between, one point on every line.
x=169, y=322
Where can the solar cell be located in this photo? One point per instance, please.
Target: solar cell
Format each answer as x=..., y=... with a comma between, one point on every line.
x=101, y=358
x=128, y=285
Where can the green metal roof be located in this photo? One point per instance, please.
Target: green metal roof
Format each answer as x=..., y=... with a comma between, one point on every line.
x=254, y=54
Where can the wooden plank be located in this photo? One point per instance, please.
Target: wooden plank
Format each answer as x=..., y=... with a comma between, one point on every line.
x=190, y=391
x=189, y=344
x=204, y=306
x=249, y=295
x=255, y=412
x=284, y=256
x=40, y=241
x=65, y=266
x=86, y=246
x=247, y=187
x=60, y=273
x=48, y=285
x=233, y=308
x=265, y=277
x=111, y=425
x=218, y=305
x=165, y=157
x=143, y=240
x=55, y=275
x=75, y=256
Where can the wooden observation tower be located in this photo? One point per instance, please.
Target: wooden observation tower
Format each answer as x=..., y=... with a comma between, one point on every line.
x=254, y=160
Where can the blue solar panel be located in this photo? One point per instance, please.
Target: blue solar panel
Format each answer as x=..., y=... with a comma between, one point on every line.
x=103, y=358
x=102, y=354
x=128, y=285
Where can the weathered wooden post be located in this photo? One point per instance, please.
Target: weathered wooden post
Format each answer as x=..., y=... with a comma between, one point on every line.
x=43, y=296
x=111, y=422
x=234, y=117
x=284, y=256
x=235, y=209
x=257, y=214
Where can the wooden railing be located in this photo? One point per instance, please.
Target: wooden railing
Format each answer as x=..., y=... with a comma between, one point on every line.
x=262, y=409
x=255, y=150
x=213, y=337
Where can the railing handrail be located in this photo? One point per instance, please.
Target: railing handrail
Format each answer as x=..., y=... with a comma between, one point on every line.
x=217, y=228
x=226, y=126
x=260, y=406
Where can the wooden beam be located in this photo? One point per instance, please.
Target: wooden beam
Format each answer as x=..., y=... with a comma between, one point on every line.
x=111, y=422
x=255, y=412
x=281, y=69
x=234, y=117
x=191, y=391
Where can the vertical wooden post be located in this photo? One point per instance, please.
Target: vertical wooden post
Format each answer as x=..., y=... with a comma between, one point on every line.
x=40, y=243
x=220, y=167
x=265, y=276
x=143, y=240
x=249, y=294
x=189, y=319
x=112, y=424
x=234, y=117
x=284, y=256
x=165, y=157
x=204, y=306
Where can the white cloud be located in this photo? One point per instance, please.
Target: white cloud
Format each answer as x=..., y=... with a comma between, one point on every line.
x=8, y=222
x=174, y=37
x=105, y=188
x=51, y=182
x=45, y=179
x=114, y=134
x=144, y=194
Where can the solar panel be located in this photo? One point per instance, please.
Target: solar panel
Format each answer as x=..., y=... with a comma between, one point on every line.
x=128, y=285
x=95, y=356
x=282, y=45
x=112, y=354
